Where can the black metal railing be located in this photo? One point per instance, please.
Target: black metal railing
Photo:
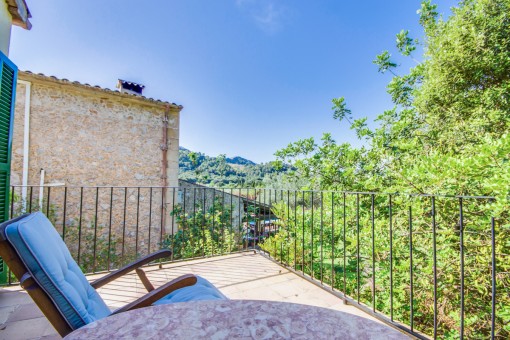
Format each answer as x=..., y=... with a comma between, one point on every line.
x=431, y=265
x=106, y=227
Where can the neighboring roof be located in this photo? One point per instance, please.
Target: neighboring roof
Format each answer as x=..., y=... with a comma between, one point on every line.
x=20, y=13
x=40, y=76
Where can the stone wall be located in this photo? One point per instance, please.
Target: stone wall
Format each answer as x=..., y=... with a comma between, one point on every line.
x=87, y=136
x=81, y=135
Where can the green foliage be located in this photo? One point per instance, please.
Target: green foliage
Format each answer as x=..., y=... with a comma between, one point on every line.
x=340, y=110
x=383, y=61
x=226, y=172
x=447, y=134
x=324, y=235
x=405, y=45
x=203, y=233
x=106, y=248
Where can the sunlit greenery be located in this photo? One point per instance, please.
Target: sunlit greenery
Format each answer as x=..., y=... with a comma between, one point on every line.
x=447, y=134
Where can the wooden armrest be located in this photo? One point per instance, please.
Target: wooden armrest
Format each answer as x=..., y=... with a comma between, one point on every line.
x=149, y=298
x=130, y=267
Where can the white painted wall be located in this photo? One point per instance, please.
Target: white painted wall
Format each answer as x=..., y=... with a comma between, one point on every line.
x=5, y=28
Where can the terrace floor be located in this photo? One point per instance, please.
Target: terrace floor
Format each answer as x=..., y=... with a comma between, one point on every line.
x=239, y=276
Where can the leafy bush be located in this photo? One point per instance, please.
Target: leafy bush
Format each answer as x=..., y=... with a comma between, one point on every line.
x=203, y=233
x=313, y=241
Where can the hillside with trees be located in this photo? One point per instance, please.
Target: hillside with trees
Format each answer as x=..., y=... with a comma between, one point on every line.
x=224, y=172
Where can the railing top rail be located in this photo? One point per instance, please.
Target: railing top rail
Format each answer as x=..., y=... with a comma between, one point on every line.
x=240, y=190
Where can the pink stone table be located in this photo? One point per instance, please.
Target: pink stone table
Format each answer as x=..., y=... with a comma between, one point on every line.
x=235, y=319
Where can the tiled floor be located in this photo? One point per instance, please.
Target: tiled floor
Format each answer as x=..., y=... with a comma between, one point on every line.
x=239, y=276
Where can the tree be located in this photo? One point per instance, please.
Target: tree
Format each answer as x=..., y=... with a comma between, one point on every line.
x=447, y=133
x=448, y=130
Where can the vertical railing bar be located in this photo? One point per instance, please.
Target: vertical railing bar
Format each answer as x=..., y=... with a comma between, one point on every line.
x=124, y=226
x=222, y=221
x=411, y=305
x=213, y=218
x=357, y=249
x=295, y=227
x=150, y=220
x=493, y=277
x=263, y=205
x=48, y=203
x=257, y=214
x=185, y=221
x=253, y=203
x=203, y=222
x=332, y=240
x=288, y=227
x=264, y=219
x=184, y=218
x=162, y=217
x=231, y=221
x=79, y=223
x=373, y=251
x=268, y=217
x=303, y=235
x=194, y=218
x=279, y=226
x=137, y=221
x=390, y=213
x=434, y=261
x=110, y=229
x=12, y=201
x=461, y=240
x=95, y=232
x=64, y=215
x=239, y=219
x=173, y=224
x=247, y=236
x=31, y=197
x=322, y=236
x=311, y=244
x=343, y=241
x=248, y=216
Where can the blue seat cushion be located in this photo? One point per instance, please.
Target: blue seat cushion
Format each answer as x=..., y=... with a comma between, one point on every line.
x=202, y=290
x=48, y=260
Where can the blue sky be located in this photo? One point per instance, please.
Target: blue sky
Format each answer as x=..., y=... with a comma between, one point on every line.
x=252, y=75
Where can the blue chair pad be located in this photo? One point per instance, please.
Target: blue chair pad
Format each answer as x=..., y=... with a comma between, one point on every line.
x=202, y=290
x=48, y=260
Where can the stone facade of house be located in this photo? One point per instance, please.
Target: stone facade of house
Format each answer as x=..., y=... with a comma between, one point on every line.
x=83, y=135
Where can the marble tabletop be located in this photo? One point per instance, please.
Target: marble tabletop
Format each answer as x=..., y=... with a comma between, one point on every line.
x=235, y=319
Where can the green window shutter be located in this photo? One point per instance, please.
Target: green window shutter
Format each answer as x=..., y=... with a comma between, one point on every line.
x=8, y=77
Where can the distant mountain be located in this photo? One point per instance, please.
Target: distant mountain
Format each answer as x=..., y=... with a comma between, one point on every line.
x=223, y=171
x=240, y=161
x=234, y=160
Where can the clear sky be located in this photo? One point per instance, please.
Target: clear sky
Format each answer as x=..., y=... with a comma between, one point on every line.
x=252, y=75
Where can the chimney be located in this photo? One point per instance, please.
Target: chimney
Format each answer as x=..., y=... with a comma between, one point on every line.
x=125, y=86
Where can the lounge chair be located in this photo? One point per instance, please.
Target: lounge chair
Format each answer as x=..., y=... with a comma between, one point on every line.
x=38, y=257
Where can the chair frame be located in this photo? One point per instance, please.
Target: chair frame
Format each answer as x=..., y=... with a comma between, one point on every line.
x=49, y=308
